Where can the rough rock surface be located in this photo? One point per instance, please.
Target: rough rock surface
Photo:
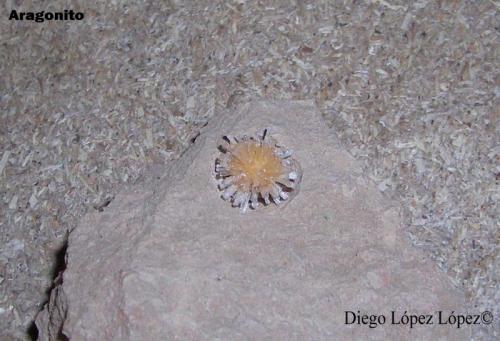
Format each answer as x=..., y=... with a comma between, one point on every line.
x=171, y=260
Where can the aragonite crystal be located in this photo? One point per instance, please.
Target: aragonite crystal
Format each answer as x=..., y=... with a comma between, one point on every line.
x=253, y=170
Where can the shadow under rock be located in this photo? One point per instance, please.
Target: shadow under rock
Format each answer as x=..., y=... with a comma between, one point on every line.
x=58, y=268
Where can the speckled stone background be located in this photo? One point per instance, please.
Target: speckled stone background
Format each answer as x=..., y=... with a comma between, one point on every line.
x=410, y=88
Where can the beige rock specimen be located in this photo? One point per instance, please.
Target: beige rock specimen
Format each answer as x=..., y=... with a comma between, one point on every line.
x=171, y=260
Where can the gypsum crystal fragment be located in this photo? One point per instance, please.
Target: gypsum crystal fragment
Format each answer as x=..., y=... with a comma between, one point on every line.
x=254, y=170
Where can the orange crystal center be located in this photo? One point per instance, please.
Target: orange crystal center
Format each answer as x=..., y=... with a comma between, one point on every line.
x=258, y=166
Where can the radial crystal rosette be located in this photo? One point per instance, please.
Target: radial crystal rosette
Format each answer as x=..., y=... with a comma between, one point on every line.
x=255, y=170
